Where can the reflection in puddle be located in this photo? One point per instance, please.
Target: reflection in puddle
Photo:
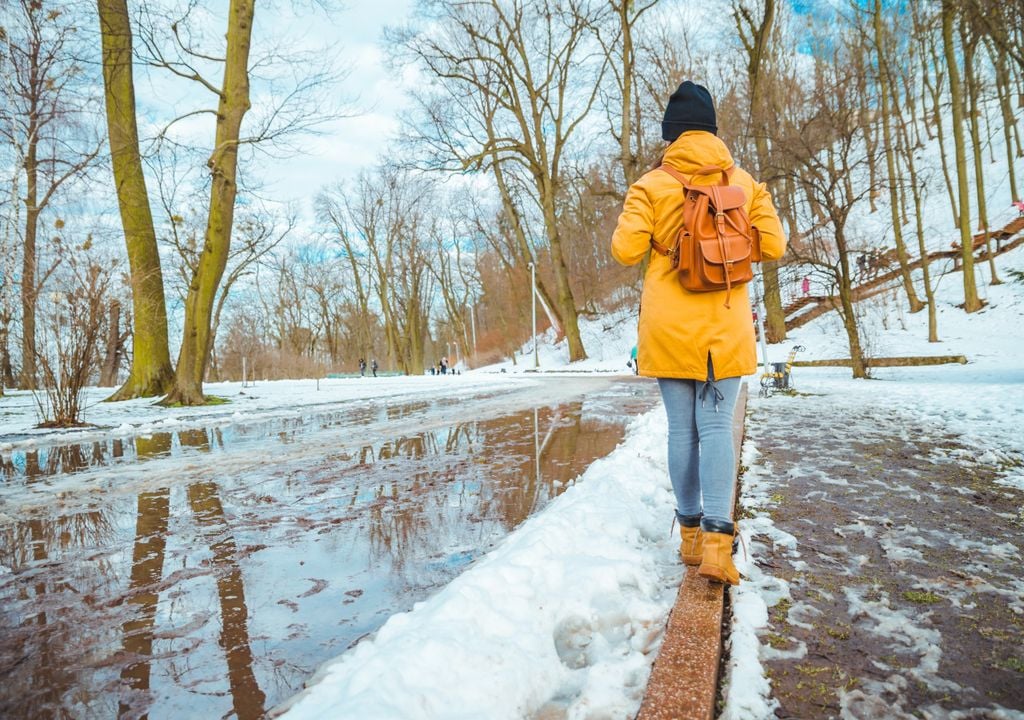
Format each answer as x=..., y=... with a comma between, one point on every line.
x=68, y=459
x=219, y=598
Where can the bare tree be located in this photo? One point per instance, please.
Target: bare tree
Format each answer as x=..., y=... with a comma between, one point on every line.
x=40, y=103
x=625, y=115
x=754, y=27
x=176, y=45
x=826, y=146
x=71, y=335
x=530, y=74
x=887, y=94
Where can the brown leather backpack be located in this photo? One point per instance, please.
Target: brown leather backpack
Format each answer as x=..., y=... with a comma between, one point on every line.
x=716, y=245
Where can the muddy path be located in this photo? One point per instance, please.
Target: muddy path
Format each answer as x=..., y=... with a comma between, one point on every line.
x=186, y=576
x=902, y=557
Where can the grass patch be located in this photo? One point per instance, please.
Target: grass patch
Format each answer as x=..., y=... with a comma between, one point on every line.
x=208, y=400
x=921, y=597
x=811, y=670
x=839, y=633
x=1014, y=664
x=780, y=611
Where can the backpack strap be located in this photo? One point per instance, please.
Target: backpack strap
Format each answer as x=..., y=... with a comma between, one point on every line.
x=684, y=181
x=714, y=169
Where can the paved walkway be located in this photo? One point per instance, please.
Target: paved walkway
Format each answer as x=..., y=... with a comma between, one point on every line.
x=903, y=563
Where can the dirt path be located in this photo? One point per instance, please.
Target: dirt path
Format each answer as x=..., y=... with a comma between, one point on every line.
x=903, y=564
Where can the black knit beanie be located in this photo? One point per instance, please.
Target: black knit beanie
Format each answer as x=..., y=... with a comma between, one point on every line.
x=689, y=108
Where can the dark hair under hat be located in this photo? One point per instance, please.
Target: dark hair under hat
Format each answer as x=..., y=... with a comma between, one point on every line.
x=689, y=108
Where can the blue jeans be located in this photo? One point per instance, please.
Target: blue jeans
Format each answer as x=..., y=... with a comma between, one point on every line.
x=701, y=457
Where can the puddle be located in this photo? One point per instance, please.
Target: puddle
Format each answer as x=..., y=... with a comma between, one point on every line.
x=217, y=594
x=65, y=459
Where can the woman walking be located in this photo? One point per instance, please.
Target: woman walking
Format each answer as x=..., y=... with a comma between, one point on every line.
x=697, y=344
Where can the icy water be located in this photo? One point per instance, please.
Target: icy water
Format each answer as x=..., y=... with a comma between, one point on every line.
x=207, y=573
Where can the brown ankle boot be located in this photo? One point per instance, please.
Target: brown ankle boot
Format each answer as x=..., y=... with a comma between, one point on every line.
x=691, y=549
x=716, y=564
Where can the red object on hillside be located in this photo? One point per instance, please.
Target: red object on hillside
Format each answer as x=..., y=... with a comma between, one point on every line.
x=1019, y=205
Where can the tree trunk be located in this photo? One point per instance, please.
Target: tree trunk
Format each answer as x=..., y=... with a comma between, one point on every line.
x=1009, y=121
x=112, y=355
x=971, y=81
x=566, y=302
x=884, y=89
x=846, y=302
x=151, y=371
x=223, y=163
x=916, y=190
x=971, y=301
x=775, y=316
x=936, y=94
x=525, y=253
x=28, y=271
x=6, y=371
x=871, y=143
x=626, y=155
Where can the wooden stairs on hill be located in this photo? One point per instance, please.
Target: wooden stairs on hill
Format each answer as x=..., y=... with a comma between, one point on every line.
x=1006, y=238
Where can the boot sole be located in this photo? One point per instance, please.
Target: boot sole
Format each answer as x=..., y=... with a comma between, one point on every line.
x=718, y=577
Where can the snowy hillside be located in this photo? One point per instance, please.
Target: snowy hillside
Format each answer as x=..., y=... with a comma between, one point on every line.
x=888, y=329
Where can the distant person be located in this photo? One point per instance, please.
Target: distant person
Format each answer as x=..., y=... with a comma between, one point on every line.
x=805, y=286
x=632, y=361
x=696, y=345
x=362, y=367
x=373, y=367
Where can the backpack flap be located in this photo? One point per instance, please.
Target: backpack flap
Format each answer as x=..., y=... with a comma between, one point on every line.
x=729, y=197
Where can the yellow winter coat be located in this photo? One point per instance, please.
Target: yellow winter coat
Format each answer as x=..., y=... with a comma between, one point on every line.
x=679, y=328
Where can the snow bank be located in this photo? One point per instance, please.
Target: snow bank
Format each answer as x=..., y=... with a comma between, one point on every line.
x=563, y=618
x=746, y=688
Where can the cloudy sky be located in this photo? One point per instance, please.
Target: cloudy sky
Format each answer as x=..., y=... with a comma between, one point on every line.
x=369, y=94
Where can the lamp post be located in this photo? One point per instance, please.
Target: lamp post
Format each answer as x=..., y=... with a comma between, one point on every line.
x=533, y=312
x=759, y=304
x=472, y=320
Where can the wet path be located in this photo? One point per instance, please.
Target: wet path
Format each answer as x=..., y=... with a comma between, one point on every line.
x=902, y=558
x=208, y=573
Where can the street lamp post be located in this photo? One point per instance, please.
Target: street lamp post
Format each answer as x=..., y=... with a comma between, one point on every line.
x=472, y=320
x=759, y=304
x=533, y=313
